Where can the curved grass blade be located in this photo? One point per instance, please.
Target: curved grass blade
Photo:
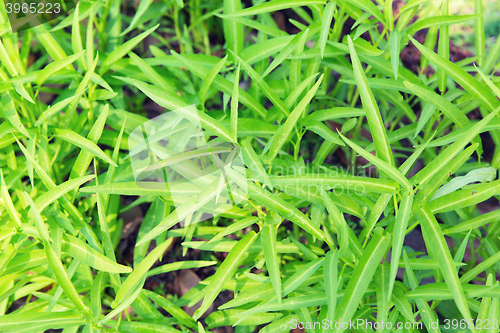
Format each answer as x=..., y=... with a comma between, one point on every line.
x=268, y=241
x=84, y=253
x=171, y=308
x=149, y=71
x=371, y=108
x=464, y=198
x=439, y=178
x=470, y=84
x=284, y=53
x=53, y=67
x=383, y=289
x=424, y=175
x=11, y=210
x=140, y=11
x=285, y=130
x=330, y=273
x=233, y=31
x=325, y=25
x=362, y=276
x=400, y=226
x=207, y=81
x=57, y=192
x=443, y=47
x=369, y=7
x=54, y=109
x=139, y=273
x=222, y=84
x=225, y=271
x=474, y=223
x=253, y=162
x=482, y=175
x=438, y=20
x=449, y=110
x=394, y=47
x=389, y=169
x=266, y=89
x=323, y=131
x=436, y=241
x=123, y=49
x=180, y=265
x=83, y=143
x=479, y=32
x=234, y=105
x=273, y=6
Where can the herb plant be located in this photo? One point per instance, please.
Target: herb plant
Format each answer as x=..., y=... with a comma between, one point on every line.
x=346, y=158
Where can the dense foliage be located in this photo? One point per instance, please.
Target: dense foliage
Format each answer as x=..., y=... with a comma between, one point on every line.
x=302, y=148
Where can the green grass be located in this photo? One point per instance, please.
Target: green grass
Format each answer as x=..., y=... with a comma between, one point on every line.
x=311, y=159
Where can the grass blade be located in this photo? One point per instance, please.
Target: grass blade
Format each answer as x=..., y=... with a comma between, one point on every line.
x=371, y=108
x=225, y=271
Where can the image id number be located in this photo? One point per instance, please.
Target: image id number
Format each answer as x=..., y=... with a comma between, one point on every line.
x=470, y=324
x=40, y=8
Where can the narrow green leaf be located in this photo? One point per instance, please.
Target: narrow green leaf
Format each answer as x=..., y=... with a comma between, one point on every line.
x=234, y=105
x=123, y=49
x=423, y=176
x=371, y=108
x=253, y=162
x=57, y=192
x=400, y=226
x=325, y=25
x=207, y=81
x=11, y=210
x=149, y=71
x=139, y=273
x=383, y=289
x=273, y=6
x=171, y=308
x=444, y=47
x=140, y=11
x=84, y=253
x=268, y=241
x=83, y=143
x=225, y=271
x=394, y=47
x=330, y=273
x=438, y=20
x=440, y=248
x=233, y=31
x=479, y=32
x=285, y=130
x=463, y=78
x=389, y=169
x=362, y=276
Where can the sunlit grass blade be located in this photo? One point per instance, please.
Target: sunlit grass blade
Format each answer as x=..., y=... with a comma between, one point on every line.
x=362, y=276
x=400, y=226
x=267, y=7
x=234, y=105
x=225, y=271
x=437, y=242
x=83, y=143
x=371, y=108
x=423, y=176
x=383, y=166
x=123, y=49
x=139, y=273
x=84, y=253
x=285, y=130
x=470, y=84
x=207, y=81
x=268, y=241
